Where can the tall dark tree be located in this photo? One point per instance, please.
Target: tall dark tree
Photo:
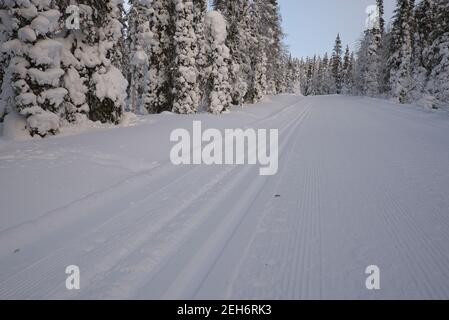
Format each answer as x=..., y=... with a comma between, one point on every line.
x=336, y=65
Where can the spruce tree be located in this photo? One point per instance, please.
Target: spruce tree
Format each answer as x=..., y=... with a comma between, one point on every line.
x=186, y=94
x=35, y=65
x=218, y=88
x=6, y=33
x=140, y=40
x=438, y=84
x=200, y=10
x=159, y=96
x=336, y=66
x=348, y=75
x=401, y=51
x=239, y=42
x=258, y=82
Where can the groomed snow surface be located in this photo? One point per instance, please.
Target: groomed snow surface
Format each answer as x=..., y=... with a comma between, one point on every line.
x=361, y=182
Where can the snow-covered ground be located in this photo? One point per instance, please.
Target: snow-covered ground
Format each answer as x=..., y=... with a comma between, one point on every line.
x=361, y=182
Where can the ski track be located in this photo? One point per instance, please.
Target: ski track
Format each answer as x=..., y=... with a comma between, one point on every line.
x=361, y=182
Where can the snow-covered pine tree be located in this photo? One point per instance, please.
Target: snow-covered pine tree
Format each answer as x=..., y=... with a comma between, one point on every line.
x=218, y=88
x=281, y=71
x=159, y=96
x=293, y=76
x=424, y=17
x=258, y=82
x=140, y=41
x=120, y=57
x=277, y=58
x=384, y=55
x=438, y=84
x=316, y=81
x=107, y=86
x=200, y=10
x=348, y=75
x=6, y=33
x=363, y=65
x=310, y=70
x=237, y=15
x=401, y=51
x=185, y=86
x=336, y=66
x=327, y=84
x=373, y=39
x=35, y=64
x=302, y=75
x=90, y=59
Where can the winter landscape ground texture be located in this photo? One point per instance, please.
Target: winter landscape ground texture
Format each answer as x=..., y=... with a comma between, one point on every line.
x=361, y=182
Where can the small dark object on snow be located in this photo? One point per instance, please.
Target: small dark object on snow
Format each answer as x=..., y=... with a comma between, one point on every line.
x=17, y=250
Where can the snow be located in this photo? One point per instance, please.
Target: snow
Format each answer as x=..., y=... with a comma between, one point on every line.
x=45, y=22
x=111, y=84
x=361, y=182
x=14, y=127
x=50, y=76
x=216, y=23
x=46, y=52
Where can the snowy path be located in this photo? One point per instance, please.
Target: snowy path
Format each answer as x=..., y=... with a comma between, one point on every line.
x=360, y=181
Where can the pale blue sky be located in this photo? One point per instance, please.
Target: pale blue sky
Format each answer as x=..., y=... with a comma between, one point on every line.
x=312, y=25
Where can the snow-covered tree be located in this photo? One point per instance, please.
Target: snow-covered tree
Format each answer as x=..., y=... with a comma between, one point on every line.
x=218, y=88
x=438, y=54
x=327, y=75
x=348, y=72
x=161, y=18
x=239, y=40
x=316, y=76
x=293, y=76
x=336, y=66
x=401, y=51
x=425, y=24
x=6, y=33
x=140, y=41
x=258, y=81
x=277, y=58
x=186, y=93
x=371, y=54
x=200, y=10
x=35, y=64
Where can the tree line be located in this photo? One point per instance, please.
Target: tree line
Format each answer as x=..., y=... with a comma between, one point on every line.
x=408, y=60
x=155, y=56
